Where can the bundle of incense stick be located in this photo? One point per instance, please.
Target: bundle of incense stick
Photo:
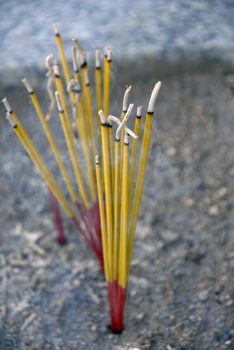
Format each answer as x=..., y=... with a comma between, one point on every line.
x=104, y=208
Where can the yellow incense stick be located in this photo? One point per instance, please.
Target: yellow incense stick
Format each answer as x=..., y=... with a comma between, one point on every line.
x=89, y=112
x=122, y=277
x=142, y=168
x=62, y=54
x=107, y=81
x=108, y=189
x=98, y=80
x=134, y=155
x=103, y=219
x=51, y=141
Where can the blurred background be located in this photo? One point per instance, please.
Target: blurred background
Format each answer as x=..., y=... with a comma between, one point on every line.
x=132, y=28
x=181, y=287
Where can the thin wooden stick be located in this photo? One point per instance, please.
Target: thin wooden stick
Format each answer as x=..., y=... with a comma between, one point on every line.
x=107, y=81
x=103, y=219
x=89, y=113
x=98, y=80
x=62, y=55
x=58, y=221
x=108, y=188
x=133, y=156
x=142, y=169
x=122, y=275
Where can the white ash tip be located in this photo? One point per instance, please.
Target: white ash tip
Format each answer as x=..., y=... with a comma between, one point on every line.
x=74, y=86
x=126, y=138
x=87, y=82
x=153, y=97
x=109, y=54
x=50, y=61
x=12, y=123
x=98, y=59
x=129, y=110
x=74, y=60
x=139, y=111
x=28, y=86
x=125, y=98
x=55, y=29
x=97, y=161
x=7, y=105
x=59, y=104
x=56, y=70
x=102, y=116
x=112, y=119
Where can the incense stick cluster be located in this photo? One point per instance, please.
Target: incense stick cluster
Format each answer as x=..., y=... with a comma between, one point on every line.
x=104, y=202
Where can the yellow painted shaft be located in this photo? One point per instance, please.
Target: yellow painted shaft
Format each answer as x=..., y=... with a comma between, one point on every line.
x=122, y=278
x=103, y=221
x=108, y=195
x=54, y=148
x=98, y=85
x=65, y=66
x=117, y=194
x=90, y=119
x=139, y=183
x=133, y=161
x=112, y=156
x=106, y=86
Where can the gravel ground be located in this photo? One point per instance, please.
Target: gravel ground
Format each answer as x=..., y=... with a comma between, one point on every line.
x=180, y=294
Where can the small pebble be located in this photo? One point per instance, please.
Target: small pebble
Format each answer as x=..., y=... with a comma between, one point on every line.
x=203, y=296
x=214, y=210
x=171, y=151
x=189, y=202
x=169, y=236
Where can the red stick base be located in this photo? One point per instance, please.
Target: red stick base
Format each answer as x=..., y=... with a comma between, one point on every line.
x=117, y=302
x=58, y=221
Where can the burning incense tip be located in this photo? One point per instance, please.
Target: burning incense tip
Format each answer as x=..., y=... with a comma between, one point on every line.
x=7, y=105
x=59, y=104
x=98, y=59
x=87, y=82
x=97, y=161
x=124, y=121
x=28, y=86
x=126, y=138
x=50, y=61
x=153, y=97
x=55, y=29
x=56, y=70
x=81, y=51
x=102, y=117
x=74, y=60
x=125, y=98
x=108, y=53
x=139, y=111
x=74, y=86
x=8, y=117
